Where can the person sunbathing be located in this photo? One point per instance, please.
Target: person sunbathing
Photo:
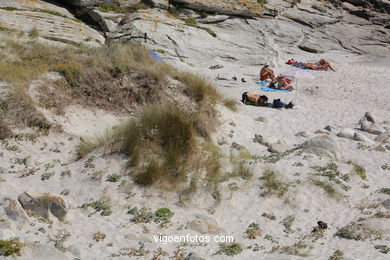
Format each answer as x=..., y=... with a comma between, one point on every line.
x=266, y=73
x=254, y=99
x=262, y=100
x=322, y=64
x=283, y=84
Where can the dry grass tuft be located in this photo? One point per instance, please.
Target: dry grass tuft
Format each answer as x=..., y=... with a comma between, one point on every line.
x=272, y=184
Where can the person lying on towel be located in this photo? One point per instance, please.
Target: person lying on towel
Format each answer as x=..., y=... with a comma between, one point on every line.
x=322, y=64
x=262, y=100
x=266, y=73
x=283, y=83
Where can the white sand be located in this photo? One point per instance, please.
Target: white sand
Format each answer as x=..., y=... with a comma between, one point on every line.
x=333, y=98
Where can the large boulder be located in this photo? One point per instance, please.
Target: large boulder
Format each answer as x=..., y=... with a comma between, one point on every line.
x=43, y=205
x=107, y=21
x=48, y=22
x=322, y=146
x=13, y=210
x=372, y=128
x=162, y=4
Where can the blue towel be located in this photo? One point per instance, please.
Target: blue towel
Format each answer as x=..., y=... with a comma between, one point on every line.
x=275, y=90
x=156, y=57
x=262, y=83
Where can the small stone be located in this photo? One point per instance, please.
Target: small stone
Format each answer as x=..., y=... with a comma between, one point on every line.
x=262, y=119
x=302, y=134
x=204, y=225
x=193, y=256
x=346, y=133
x=330, y=128
x=372, y=128
x=386, y=203
x=371, y=118
x=362, y=138
x=278, y=148
x=322, y=131
x=383, y=138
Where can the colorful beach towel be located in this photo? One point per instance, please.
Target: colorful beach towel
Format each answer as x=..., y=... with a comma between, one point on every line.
x=274, y=90
x=262, y=83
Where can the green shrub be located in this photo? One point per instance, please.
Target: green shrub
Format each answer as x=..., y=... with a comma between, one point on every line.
x=71, y=71
x=272, y=185
x=191, y=21
x=113, y=178
x=100, y=206
x=11, y=247
x=229, y=249
x=328, y=187
x=384, y=191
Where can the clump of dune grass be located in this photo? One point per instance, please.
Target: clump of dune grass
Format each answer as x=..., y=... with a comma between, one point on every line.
x=231, y=104
x=328, y=187
x=273, y=185
x=19, y=105
x=5, y=131
x=115, y=77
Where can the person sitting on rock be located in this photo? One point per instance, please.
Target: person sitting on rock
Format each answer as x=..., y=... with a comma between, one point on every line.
x=266, y=73
x=282, y=83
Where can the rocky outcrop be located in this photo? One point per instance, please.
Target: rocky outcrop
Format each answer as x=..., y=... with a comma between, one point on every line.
x=47, y=21
x=322, y=146
x=43, y=205
x=372, y=128
x=248, y=8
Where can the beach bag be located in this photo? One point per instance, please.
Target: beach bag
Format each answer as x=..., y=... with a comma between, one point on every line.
x=277, y=104
x=244, y=98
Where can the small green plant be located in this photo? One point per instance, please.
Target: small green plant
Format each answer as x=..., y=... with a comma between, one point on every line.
x=360, y=171
x=287, y=223
x=382, y=248
x=327, y=187
x=230, y=249
x=385, y=167
x=384, y=191
x=11, y=247
x=296, y=249
x=99, y=236
x=273, y=185
x=270, y=216
x=263, y=2
x=191, y=21
x=358, y=231
x=253, y=231
x=337, y=255
x=163, y=215
x=46, y=176
x=100, y=206
x=113, y=178
x=233, y=186
x=59, y=239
